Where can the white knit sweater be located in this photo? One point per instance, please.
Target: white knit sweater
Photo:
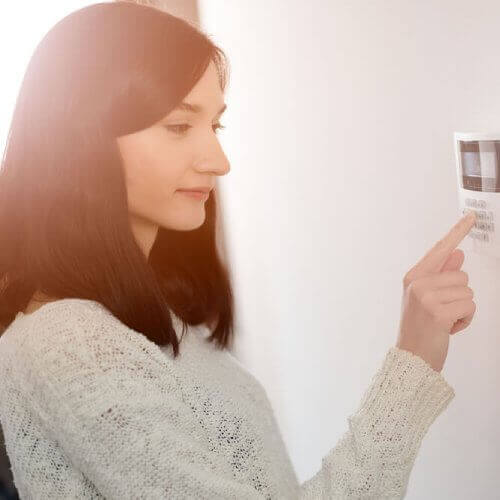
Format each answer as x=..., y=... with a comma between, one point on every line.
x=93, y=409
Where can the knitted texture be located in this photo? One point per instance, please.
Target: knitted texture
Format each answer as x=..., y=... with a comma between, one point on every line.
x=93, y=409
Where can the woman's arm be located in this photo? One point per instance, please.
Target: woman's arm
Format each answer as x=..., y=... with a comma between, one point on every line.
x=374, y=458
x=112, y=403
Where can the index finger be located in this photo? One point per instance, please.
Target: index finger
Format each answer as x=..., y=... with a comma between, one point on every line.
x=434, y=259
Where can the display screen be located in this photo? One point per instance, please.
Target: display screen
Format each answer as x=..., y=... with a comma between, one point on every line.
x=479, y=163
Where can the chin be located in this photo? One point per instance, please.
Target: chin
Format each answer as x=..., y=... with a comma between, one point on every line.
x=185, y=225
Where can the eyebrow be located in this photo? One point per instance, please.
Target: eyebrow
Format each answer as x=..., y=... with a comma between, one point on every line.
x=196, y=108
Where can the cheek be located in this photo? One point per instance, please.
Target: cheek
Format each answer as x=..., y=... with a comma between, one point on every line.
x=150, y=184
x=154, y=170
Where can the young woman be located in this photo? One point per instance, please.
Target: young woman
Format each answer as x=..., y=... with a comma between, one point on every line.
x=106, y=256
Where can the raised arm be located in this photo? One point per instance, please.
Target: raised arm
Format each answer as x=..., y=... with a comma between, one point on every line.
x=375, y=456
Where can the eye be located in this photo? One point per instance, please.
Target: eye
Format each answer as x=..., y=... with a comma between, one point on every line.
x=175, y=128
x=184, y=127
x=218, y=126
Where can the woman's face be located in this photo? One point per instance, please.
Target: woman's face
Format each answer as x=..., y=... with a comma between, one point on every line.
x=181, y=151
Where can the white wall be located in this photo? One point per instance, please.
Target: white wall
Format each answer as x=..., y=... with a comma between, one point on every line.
x=339, y=131
x=22, y=26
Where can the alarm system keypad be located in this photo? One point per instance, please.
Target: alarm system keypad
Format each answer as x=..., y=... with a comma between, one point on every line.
x=484, y=219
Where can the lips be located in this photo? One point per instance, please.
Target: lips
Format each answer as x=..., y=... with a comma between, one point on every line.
x=199, y=195
x=198, y=189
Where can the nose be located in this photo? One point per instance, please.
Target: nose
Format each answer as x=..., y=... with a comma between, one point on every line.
x=217, y=162
x=216, y=167
x=224, y=167
x=221, y=162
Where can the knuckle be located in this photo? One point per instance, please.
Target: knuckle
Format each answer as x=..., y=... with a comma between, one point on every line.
x=407, y=280
x=413, y=289
x=465, y=277
x=423, y=295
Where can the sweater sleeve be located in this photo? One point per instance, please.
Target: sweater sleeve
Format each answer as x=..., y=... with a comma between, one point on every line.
x=375, y=456
x=113, y=404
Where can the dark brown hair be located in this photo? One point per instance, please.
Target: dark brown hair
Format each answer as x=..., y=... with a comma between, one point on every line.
x=104, y=71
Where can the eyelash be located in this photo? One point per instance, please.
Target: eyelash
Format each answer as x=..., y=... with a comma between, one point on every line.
x=175, y=127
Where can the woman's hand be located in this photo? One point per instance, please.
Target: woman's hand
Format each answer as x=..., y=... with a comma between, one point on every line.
x=436, y=299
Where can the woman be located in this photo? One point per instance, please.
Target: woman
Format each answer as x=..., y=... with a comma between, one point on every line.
x=107, y=257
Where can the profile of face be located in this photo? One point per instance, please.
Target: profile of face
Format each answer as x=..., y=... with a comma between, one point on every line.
x=180, y=151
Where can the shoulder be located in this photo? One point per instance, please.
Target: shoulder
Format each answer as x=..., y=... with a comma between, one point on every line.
x=56, y=319
x=73, y=329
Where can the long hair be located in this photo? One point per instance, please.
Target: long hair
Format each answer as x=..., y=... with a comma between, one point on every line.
x=104, y=71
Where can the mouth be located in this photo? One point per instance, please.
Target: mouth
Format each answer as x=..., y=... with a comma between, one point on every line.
x=199, y=195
